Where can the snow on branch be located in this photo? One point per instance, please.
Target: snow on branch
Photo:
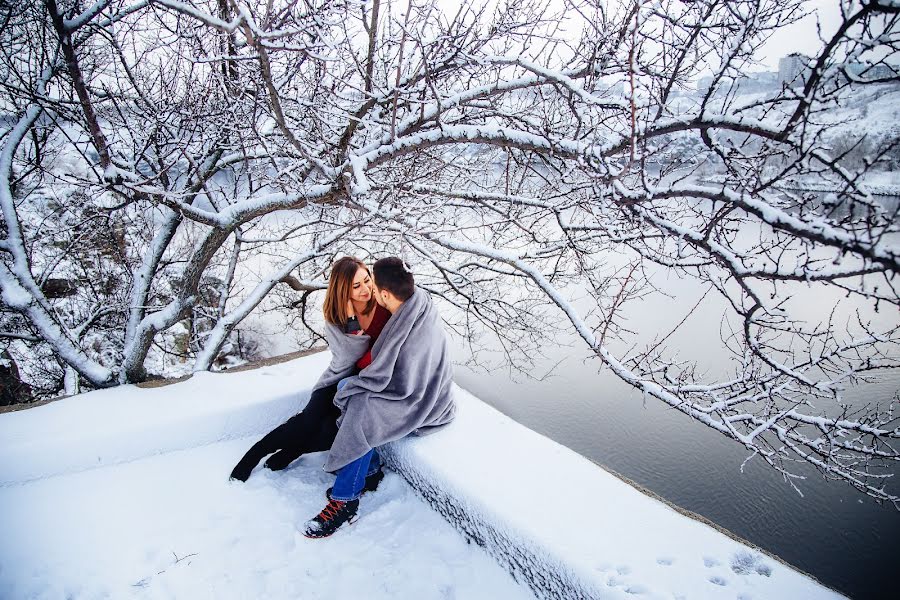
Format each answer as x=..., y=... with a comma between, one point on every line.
x=519, y=158
x=86, y=16
x=841, y=448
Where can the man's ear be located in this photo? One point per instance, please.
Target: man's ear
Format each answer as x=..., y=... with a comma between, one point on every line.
x=387, y=297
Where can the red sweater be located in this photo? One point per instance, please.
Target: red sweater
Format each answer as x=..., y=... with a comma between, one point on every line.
x=379, y=320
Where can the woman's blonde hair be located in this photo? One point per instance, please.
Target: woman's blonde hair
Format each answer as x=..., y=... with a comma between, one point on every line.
x=340, y=283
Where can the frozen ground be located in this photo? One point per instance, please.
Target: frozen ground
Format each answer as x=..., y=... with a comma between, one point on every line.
x=171, y=526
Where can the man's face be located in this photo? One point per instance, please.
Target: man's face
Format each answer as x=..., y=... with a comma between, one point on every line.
x=377, y=292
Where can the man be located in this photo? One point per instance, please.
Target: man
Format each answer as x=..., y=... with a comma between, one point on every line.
x=406, y=389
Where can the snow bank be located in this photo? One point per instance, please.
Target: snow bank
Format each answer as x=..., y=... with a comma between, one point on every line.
x=121, y=424
x=555, y=520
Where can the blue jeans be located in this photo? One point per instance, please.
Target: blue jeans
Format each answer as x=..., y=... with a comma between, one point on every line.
x=351, y=478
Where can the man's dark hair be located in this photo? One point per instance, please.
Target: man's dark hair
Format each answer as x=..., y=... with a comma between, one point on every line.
x=392, y=275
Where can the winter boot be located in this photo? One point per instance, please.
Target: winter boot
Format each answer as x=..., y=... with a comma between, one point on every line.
x=372, y=482
x=332, y=517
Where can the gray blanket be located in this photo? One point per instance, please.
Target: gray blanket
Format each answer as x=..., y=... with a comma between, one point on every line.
x=345, y=349
x=406, y=389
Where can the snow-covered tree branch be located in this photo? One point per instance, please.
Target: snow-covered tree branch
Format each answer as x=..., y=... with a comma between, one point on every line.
x=539, y=164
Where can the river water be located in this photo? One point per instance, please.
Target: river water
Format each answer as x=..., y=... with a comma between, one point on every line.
x=832, y=532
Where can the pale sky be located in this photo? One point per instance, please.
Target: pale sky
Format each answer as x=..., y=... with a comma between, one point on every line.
x=800, y=37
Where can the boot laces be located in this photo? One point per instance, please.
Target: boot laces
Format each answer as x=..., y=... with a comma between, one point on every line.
x=331, y=511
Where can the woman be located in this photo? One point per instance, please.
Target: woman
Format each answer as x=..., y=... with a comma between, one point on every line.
x=353, y=321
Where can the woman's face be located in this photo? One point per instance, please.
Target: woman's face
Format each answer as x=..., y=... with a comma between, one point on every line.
x=361, y=289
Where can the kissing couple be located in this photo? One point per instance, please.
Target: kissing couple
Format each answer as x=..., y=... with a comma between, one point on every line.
x=390, y=376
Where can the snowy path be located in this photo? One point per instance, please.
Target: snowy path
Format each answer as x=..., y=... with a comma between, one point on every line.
x=116, y=531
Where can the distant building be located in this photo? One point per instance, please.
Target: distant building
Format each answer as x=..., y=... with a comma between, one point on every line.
x=869, y=72
x=750, y=83
x=792, y=72
x=703, y=83
x=792, y=68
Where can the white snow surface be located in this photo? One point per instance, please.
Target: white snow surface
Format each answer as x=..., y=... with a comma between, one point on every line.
x=123, y=493
x=158, y=517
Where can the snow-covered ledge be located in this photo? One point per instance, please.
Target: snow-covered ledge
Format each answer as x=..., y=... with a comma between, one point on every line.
x=559, y=523
x=570, y=529
x=127, y=423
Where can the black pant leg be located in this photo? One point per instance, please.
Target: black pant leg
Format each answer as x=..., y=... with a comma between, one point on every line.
x=309, y=430
x=322, y=436
x=296, y=436
x=267, y=445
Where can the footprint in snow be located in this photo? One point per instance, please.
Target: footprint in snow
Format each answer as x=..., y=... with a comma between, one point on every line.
x=618, y=579
x=747, y=563
x=635, y=589
x=665, y=561
x=718, y=581
x=710, y=562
